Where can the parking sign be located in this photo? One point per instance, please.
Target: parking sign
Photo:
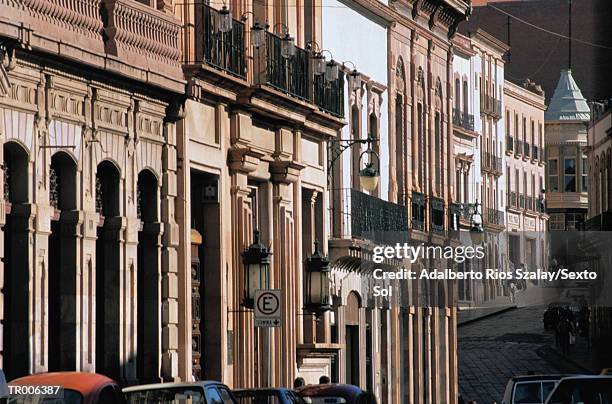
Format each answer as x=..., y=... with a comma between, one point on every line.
x=268, y=308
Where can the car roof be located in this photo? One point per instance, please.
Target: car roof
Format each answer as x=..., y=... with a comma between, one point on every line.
x=263, y=390
x=528, y=378
x=588, y=377
x=157, y=386
x=83, y=382
x=342, y=390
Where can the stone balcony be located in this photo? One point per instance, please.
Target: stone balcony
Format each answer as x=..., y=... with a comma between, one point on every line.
x=123, y=36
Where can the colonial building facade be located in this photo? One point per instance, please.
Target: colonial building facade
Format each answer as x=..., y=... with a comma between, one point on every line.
x=527, y=221
x=146, y=145
x=566, y=122
x=89, y=156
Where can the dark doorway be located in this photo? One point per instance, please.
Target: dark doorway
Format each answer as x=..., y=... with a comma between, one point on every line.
x=207, y=278
x=107, y=270
x=16, y=336
x=352, y=310
x=62, y=264
x=148, y=289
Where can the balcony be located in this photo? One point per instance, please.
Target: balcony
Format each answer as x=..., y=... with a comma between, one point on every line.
x=362, y=216
x=223, y=50
x=437, y=215
x=521, y=201
x=534, y=152
x=493, y=164
x=509, y=144
x=491, y=106
x=530, y=203
x=288, y=75
x=527, y=149
x=330, y=96
x=512, y=199
x=494, y=217
x=519, y=148
x=418, y=211
x=120, y=36
x=463, y=119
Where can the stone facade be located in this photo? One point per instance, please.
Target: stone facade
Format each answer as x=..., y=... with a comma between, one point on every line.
x=527, y=221
x=89, y=161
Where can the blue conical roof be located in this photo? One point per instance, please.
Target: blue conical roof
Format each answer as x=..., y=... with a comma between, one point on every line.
x=567, y=103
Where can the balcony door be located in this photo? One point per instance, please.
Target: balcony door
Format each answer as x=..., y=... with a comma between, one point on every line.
x=352, y=339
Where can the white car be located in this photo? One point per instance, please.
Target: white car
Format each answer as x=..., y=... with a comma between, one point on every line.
x=582, y=390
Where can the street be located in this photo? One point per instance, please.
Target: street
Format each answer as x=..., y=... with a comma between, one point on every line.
x=508, y=344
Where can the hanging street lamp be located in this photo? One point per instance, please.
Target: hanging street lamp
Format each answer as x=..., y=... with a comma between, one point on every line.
x=476, y=229
x=287, y=46
x=256, y=261
x=317, y=296
x=258, y=33
x=331, y=70
x=225, y=20
x=370, y=174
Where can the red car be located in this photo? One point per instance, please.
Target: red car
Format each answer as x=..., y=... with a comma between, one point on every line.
x=78, y=388
x=335, y=393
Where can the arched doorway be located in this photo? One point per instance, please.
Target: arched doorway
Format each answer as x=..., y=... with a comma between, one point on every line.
x=15, y=330
x=108, y=261
x=148, y=289
x=62, y=263
x=352, y=342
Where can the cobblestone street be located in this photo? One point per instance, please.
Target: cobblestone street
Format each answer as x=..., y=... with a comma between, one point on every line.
x=494, y=349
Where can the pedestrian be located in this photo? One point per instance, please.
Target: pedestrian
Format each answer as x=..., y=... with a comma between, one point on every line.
x=299, y=382
x=324, y=380
x=564, y=330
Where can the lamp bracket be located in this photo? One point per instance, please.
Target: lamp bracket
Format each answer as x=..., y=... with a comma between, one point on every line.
x=338, y=146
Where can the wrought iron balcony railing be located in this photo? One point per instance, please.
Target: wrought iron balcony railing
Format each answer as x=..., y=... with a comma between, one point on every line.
x=291, y=76
x=494, y=216
x=359, y=215
x=519, y=148
x=223, y=50
x=512, y=199
x=493, y=163
x=418, y=211
x=437, y=215
x=329, y=96
x=527, y=149
x=463, y=119
x=529, y=203
x=521, y=201
x=534, y=153
x=510, y=144
x=457, y=117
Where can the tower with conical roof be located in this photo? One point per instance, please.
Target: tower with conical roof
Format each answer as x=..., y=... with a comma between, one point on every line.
x=566, y=122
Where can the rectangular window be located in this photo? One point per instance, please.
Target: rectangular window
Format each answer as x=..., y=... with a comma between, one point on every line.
x=585, y=172
x=553, y=175
x=569, y=174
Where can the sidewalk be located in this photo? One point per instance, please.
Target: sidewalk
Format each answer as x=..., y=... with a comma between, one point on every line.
x=466, y=315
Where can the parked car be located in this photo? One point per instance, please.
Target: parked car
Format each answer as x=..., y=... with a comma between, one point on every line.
x=268, y=396
x=78, y=388
x=583, y=390
x=532, y=389
x=335, y=393
x=203, y=392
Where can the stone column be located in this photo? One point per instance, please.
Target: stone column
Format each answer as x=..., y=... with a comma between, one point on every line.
x=169, y=257
x=284, y=175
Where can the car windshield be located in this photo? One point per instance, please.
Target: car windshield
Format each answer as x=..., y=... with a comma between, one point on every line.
x=171, y=395
x=583, y=392
x=70, y=397
x=257, y=397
